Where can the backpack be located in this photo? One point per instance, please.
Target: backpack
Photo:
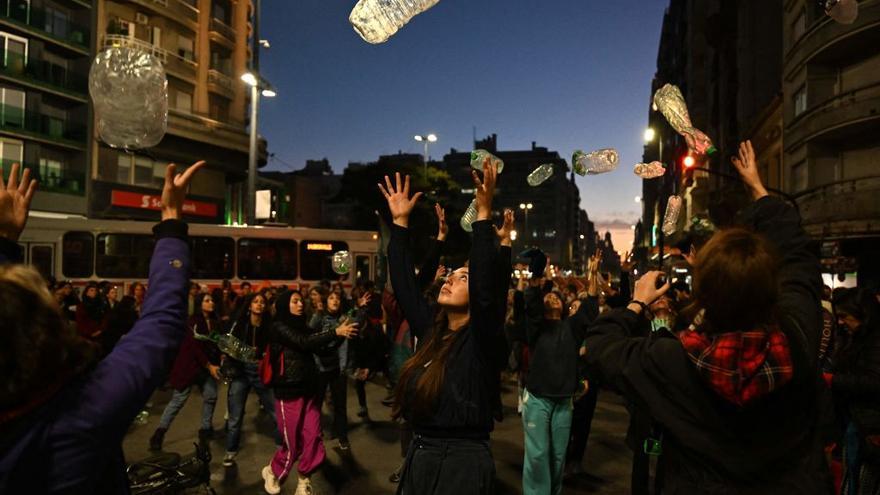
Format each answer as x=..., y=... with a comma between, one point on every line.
x=266, y=369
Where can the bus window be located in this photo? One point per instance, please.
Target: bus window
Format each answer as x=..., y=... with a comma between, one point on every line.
x=266, y=259
x=77, y=255
x=315, y=257
x=124, y=255
x=212, y=257
x=43, y=259
x=362, y=266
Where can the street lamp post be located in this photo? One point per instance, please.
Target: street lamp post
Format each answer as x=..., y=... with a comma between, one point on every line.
x=430, y=138
x=257, y=88
x=650, y=134
x=526, y=207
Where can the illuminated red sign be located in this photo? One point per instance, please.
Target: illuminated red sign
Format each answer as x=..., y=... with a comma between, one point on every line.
x=130, y=199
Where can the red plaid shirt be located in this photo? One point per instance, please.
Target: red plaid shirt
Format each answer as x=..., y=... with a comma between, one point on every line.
x=740, y=366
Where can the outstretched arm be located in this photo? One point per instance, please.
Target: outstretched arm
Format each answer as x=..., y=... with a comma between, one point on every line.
x=15, y=203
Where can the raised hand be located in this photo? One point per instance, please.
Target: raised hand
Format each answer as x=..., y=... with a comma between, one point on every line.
x=348, y=330
x=627, y=263
x=646, y=290
x=399, y=202
x=174, y=191
x=485, y=189
x=15, y=202
x=442, y=227
x=364, y=299
x=503, y=233
x=440, y=273
x=747, y=166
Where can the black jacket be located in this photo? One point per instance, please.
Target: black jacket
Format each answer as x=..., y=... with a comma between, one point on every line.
x=771, y=446
x=293, y=340
x=856, y=382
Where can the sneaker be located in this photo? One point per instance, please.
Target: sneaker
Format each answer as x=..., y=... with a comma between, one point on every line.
x=157, y=439
x=270, y=482
x=388, y=401
x=304, y=487
x=395, y=477
x=229, y=459
x=362, y=412
x=343, y=444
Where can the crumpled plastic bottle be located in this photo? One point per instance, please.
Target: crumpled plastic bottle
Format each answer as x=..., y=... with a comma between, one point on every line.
x=377, y=20
x=469, y=216
x=479, y=156
x=540, y=174
x=649, y=170
x=595, y=162
x=341, y=262
x=670, y=102
x=670, y=219
x=130, y=95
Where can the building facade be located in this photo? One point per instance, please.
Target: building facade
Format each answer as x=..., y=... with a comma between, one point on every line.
x=45, y=119
x=831, y=114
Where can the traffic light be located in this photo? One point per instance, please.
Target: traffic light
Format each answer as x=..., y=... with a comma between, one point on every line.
x=688, y=164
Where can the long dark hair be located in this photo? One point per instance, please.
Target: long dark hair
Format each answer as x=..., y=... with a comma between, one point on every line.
x=431, y=356
x=282, y=310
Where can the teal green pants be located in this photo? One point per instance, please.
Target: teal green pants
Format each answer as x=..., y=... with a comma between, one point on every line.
x=546, y=425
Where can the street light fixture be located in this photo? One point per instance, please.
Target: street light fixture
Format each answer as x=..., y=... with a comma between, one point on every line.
x=525, y=207
x=430, y=138
x=258, y=86
x=650, y=135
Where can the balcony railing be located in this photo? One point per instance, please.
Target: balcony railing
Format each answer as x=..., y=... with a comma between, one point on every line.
x=44, y=73
x=220, y=79
x=30, y=18
x=63, y=181
x=847, y=200
x=223, y=29
x=170, y=60
x=18, y=120
x=175, y=9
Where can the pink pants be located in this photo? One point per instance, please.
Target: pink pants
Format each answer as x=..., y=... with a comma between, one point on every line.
x=299, y=422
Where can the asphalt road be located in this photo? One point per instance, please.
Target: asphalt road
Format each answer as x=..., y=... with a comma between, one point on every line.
x=375, y=450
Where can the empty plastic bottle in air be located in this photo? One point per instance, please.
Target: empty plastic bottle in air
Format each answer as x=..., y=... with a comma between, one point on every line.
x=479, y=156
x=595, y=162
x=649, y=170
x=670, y=220
x=670, y=102
x=469, y=216
x=377, y=20
x=540, y=174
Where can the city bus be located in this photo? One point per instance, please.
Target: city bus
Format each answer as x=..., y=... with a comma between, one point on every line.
x=71, y=247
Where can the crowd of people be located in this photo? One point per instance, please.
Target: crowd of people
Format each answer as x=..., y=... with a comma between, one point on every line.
x=754, y=379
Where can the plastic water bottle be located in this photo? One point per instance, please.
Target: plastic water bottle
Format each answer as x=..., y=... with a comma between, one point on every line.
x=649, y=170
x=670, y=220
x=670, y=102
x=595, y=162
x=540, y=174
x=469, y=216
x=479, y=156
x=377, y=20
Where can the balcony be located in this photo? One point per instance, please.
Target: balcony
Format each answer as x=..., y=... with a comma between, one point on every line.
x=45, y=75
x=842, y=209
x=221, y=83
x=220, y=31
x=174, y=64
x=173, y=9
x=848, y=110
x=41, y=127
x=51, y=180
x=34, y=21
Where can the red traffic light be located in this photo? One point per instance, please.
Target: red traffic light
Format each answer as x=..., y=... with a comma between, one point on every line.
x=689, y=162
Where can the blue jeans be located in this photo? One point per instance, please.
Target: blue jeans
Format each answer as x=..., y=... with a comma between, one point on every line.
x=851, y=460
x=237, y=398
x=179, y=398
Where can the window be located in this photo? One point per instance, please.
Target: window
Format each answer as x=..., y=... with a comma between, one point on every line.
x=267, y=259
x=124, y=255
x=186, y=48
x=220, y=9
x=20, y=10
x=77, y=254
x=42, y=258
x=183, y=101
x=11, y=152
x=12, y=108
x=123, y=168
x=800, y=101
x=156, y=36
x=315, y=259
x=51, y=172
x=212, y=257
x=15, y=51
x=57, y=22
x=219, y=108
x=362, y=266
x=799, y=177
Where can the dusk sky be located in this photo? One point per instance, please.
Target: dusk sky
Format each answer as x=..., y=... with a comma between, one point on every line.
x=568, y=74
